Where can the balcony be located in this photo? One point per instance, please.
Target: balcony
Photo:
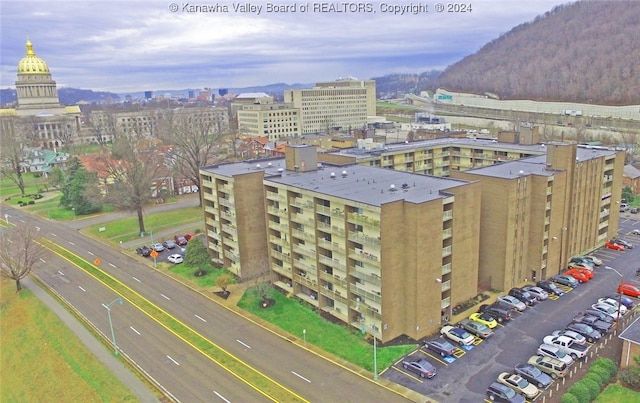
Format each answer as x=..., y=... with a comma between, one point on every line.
x=232, y=256
x=305, y=250
x=445, y=303
x=229, y=229
x=446, y=285
x=276, y=196
x=446, y=269
x=280, y=256
x=364, y=239
x=366, y=277
x=226, y=202
x=302, y=264
x=446, y=251
x=303, y=235
x=447, y=215
x=447, y=233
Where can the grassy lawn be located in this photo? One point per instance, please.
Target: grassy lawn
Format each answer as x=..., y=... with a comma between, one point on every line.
x=126, y=229
x=187, y=273
x=347, y=343
x=42, y=360
x=32, y=184
x=616, y=393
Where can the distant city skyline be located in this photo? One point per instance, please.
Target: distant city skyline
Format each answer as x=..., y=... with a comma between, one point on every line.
x=124, y=46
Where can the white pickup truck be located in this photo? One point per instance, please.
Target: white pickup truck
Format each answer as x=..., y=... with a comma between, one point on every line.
x=568, y=346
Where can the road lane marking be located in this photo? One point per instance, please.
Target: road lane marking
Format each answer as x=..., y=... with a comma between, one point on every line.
x=42, y=260
x=113, y=265
x=300, y=376
x=132, y=328
x=80, y=287
x=174, y=361
x=244, y=344
x=200, y=317
x=91, y=253
x=53, y=234
x=60, y=272
x=164, y=296
x=37, y=228
x=221, y=397
x=71, y=243
x=136, y=279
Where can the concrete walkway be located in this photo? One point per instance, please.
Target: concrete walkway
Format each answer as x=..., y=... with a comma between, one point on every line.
x=98, y=349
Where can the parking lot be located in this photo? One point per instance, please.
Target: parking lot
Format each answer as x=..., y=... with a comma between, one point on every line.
x=465, y=375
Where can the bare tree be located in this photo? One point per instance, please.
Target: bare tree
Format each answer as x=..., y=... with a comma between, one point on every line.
x=19, y=252
x=14, y=142
x=135, y=164
x=195, y=137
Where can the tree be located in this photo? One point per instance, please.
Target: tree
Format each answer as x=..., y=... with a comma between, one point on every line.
x=14, y=142
x=19, y=252
x=223, y=281
x=197, y=256
x=135, y=164
x=80, y=189
x=195, y=137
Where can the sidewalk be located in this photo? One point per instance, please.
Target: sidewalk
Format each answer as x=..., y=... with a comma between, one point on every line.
x=103, y=354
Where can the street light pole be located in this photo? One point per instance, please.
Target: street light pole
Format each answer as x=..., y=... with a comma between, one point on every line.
x=113, y=334
x=619, y=297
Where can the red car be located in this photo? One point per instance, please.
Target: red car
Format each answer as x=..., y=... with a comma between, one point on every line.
x=613, y=245
x=587, y=272
x=577, y=274
x=180, y=240
x=629, y=289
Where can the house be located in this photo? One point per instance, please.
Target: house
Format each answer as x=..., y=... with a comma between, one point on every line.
x=631, y=178
x=39, y=160
x=631, y=343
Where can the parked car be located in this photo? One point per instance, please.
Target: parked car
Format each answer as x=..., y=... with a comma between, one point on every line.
x=599, y=315
x=629, y=289
x=189, y=236
x=523, y=295
x=550, y=366
x=565, y=280
x=613, y=245
x=593, y=321
x=457, y=335
x=476, y=328
x=577, y=274
x=485, y=318
x=519, y=384
x=626, y=301
x=614, y=303
x=169, y=244
x=158, y=247
x=180, y=240
x=547, y=350
x=512, y=302
x=533, y=374
x=501, y=314
x=537, y=292
x=440, y=346
x=596, y=261
x=634, y=210
x=577, y=337
x=501, y=393
x=567, y=345
x=175, y=258
x=589, y=333
x=587, y=272
x=420, y=366
x=144, y=251
x=608, y=309
x=622, y=242
x=636, y=232
x=550, y=287
x=581, y=261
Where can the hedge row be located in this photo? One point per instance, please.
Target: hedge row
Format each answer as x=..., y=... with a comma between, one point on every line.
x=589, y=387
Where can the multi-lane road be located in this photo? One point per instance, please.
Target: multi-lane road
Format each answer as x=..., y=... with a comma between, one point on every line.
x=183, y=371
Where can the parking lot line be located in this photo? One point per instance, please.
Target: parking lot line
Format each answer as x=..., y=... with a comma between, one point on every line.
x=408, y=374
x=459, y=352
x=477, y=341
x=435, y=357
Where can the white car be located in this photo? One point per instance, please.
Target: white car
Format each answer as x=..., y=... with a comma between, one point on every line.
x=636, y=232
x=607, y=310
x=175, y=258
x=158, y=247
x=576, y=337
x=458, y=335
x=613, y=303
x=519, y=384
x=547, y=350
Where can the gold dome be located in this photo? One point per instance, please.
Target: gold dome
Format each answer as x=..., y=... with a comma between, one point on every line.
x=32, y=64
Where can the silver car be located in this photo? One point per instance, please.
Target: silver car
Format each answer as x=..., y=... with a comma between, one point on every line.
x=537, y=292
x=512, y=302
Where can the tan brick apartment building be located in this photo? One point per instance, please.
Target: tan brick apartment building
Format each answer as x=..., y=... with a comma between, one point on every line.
x=393, y=251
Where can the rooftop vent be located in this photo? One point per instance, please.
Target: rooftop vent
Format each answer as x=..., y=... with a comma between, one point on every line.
x=333, y=175
x=521, y=172
x=269, y=164
x=405, y=185
x=258, y=166
x=392, y=187
x=280, y=170
x=344, y=174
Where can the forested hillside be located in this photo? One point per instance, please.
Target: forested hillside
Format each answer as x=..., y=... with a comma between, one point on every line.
x=587, y=51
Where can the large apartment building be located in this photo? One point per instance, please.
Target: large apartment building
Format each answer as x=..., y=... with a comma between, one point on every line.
x=369, y=246
x=340, y=105
x=270, y=120
x=396, y=250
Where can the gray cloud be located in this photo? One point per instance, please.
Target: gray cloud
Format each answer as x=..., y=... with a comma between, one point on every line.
x=125, y=46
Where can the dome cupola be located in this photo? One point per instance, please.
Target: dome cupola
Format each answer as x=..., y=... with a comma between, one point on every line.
x=32, y=64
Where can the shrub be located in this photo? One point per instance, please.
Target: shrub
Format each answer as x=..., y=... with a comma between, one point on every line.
x=602, y=372
x=628, y=377
x=608, y=364
x=581, y=392
x=569, y=398
x=593, y=387
x=32, y=202
x=594, y=376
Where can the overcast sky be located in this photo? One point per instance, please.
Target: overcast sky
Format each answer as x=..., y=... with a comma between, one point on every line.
x=130, y=46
